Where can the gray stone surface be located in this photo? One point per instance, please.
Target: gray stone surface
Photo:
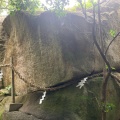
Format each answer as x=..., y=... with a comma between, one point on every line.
x=48, y=50
x=72, y=103
x=16, y=115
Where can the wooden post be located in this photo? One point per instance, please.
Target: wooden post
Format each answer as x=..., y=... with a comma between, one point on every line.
x=13, y=84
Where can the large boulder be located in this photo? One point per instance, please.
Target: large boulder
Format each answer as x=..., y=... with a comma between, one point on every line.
x=70, y=103
x=48, y=50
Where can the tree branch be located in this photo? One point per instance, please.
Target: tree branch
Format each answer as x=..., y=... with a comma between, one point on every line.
x=100, y=28
x=83, y=10
x=112, y=42
x=104, y=87
x=114, y=76
x=96, y=43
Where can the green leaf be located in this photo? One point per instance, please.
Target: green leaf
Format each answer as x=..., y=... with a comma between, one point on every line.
x=106, y=67
x=113, y=68
x=8, y=87
x=112, y=33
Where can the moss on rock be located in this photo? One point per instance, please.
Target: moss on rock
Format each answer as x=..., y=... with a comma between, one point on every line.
x=72, y=103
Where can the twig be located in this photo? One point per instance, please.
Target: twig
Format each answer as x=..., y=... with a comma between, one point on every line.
x=104, y=89
x=100, y=26
x=97, y=45
x=112, y=42
x=83, y=10
x=114, y=76
x=95, y=98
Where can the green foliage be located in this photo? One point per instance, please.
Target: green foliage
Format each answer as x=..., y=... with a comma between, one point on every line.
x=57, y=6
x=6, y=90
x=108, y=107
x=106, y=67
x=1, y=113
x=112, y=68
x=8, y=87
x=88, y=4
x=74, y=8
x=17, y=5
x=27, y=5
x=93, y=1
x=112, y=33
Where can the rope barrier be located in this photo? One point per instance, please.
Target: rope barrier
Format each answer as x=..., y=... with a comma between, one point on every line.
x=52, y=88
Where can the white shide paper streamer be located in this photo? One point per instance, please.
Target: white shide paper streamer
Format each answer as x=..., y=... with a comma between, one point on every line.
x=81, y=83
x=43, y=97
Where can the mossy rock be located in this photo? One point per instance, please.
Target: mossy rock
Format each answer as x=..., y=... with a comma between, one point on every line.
x=4, y=102
x=70, y=103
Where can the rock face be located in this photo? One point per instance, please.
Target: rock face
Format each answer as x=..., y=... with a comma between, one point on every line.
x=3, y=38
x=48, y=50
x=70, y=103
x=18, y=116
